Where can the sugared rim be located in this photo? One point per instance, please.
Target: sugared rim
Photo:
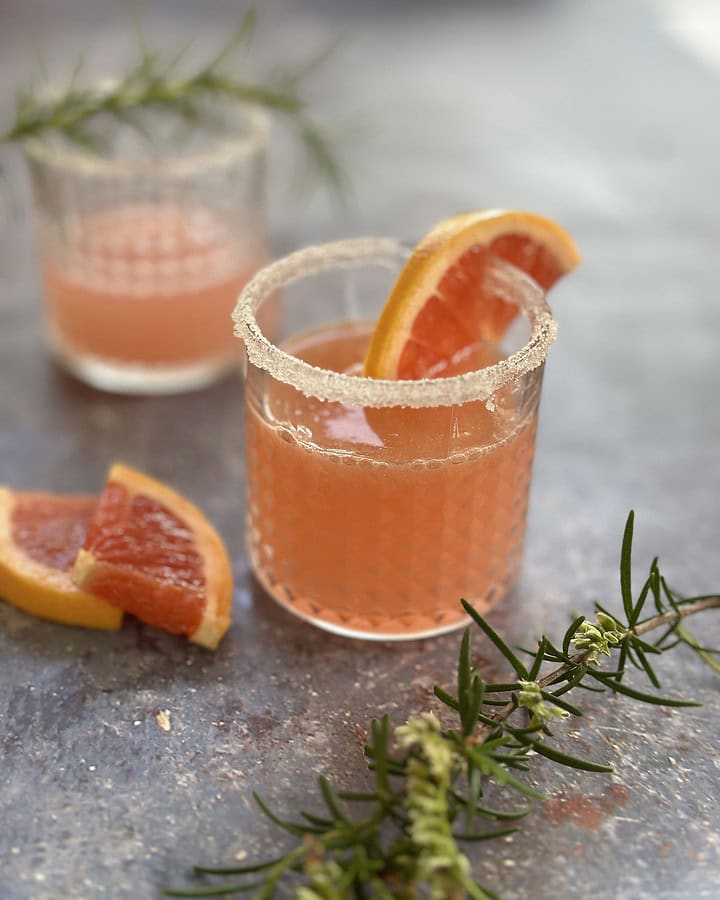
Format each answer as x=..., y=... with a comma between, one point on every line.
x=324, y=384
x=228, y=149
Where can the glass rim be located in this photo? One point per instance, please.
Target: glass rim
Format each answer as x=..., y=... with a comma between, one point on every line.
x=324, y=384
x=229, y=148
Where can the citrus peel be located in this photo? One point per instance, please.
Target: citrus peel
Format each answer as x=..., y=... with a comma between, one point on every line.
x=436, y=308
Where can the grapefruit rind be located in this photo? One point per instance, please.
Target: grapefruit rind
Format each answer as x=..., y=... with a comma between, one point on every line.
x=42, y=591
x=431, y=259
x=217, y=570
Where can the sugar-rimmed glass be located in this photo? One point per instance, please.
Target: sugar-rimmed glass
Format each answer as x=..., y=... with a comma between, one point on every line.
x=144, y=250
x=374, y=506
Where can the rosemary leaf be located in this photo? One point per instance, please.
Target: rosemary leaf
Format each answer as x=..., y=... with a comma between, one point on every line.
x=619, y=688
x=497, y=640
x=331, y=800
x=626, y=568
x=563, y=704
x=646, y=665
x=316, y=820
x=446, y=698
x=705, y=653
x=219, y=890
x=565, y=759
x=570, y=634
x=539, y=659
x=503, y=815
x=294, y=828
x=236, y=870
x=484, y=835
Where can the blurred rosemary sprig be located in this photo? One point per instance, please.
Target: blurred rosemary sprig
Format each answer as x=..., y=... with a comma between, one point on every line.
x=158, y=82
x=430, y=781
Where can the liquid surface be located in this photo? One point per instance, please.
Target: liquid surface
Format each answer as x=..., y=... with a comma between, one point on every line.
x=388, y=435
x=377, y=521
x=145, y=284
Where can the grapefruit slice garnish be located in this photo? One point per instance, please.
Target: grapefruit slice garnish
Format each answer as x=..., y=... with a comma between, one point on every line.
x=40, y=535
x=438, y=309
x=150, y=552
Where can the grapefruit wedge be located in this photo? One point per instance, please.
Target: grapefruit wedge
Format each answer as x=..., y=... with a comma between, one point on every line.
x=150, y=552
x=437, y=310
x=40, y=535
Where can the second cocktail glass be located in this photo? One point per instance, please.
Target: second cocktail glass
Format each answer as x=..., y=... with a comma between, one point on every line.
x=374, y=506
x=144, y=250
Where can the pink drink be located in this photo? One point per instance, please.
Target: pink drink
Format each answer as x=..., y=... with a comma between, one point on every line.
x=374, y=505
x=376, y=521
x=147, y=287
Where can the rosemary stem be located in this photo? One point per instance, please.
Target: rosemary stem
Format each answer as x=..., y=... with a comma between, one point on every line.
x=670, y=617
x=154, y=84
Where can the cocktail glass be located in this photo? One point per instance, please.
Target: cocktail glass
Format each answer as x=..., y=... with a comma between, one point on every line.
x=374, y=506
x=143, y=251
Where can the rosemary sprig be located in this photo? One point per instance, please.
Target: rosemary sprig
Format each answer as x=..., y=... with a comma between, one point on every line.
x=430, y=781
x=156, y=82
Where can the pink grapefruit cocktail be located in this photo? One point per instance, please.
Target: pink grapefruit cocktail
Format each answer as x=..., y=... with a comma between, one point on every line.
x=375, y=505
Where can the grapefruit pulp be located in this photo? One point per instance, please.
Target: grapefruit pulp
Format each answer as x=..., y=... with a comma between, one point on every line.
x=438, y=309
x=40, y=535
x=150, y=552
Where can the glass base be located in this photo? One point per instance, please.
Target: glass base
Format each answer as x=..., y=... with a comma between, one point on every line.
x=278, y=593
x=118, y=377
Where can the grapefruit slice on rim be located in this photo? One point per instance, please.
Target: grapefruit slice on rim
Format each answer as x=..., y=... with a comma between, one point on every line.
x=438, y=309
x=150, y=552
x=40, y=535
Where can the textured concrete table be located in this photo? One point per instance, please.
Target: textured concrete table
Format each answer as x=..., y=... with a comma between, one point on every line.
x=595, y=113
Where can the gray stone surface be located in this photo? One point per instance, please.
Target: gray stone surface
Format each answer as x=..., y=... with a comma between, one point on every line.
x=592, y=112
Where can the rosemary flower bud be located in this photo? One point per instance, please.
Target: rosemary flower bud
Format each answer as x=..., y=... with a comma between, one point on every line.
x=530, y=698
x=430, y=771
x=597, y=637
x=325, y=876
